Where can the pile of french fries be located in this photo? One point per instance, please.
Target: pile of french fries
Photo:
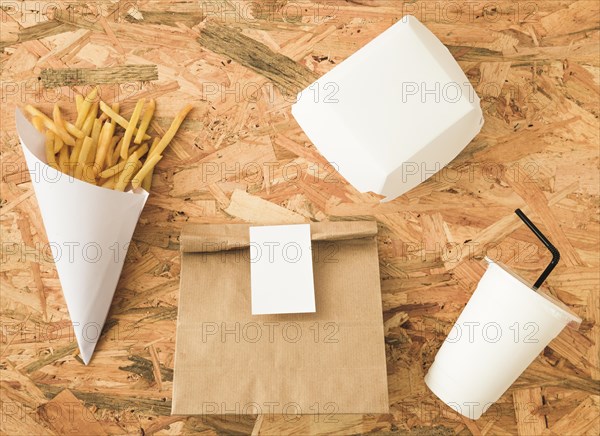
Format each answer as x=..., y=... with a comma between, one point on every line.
x=102, y=147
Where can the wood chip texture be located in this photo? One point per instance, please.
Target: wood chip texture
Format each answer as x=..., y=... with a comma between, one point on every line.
x=241, y=157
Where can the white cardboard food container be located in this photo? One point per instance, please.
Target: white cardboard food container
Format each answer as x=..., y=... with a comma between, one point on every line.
x=502, y=329
x=394, y=113
x=89, y=229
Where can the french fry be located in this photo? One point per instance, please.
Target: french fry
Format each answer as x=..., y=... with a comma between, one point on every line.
x=74, y=156
x=112, y=149
x=87, y=130
x=50, y=158
x=170, y=133
x=96, y=128
x=58, y=144
x=135, y=116
x=38, y=123
x=50, y=125
x=81, y=160
x=89, y=168
x=142, y=149
x=74, y=130
x=95, y=138
x=149, y=165
x=57, y=117
x=110, y=183
x=115, y=140
x=116, y=152
x=147, y=182
x=148, y=113
x=68, y=127
x=63, y=160
x=132, y=165
x=128, y=170
x=153, y=146
x=92, y=113
x=78, y=101
x=85, y=107
x=118, y=118
x=108, y=129
x=132, y=150
x=116, y=107
x=115, y=169
x=98, y=155
x=88, y=125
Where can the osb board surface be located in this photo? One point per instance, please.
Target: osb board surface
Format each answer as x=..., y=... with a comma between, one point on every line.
x=241, y=157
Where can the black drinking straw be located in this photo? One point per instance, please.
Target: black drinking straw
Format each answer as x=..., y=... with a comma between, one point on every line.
x=546, y=242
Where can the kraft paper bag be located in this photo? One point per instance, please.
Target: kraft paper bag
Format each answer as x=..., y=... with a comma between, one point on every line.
x=229, y=361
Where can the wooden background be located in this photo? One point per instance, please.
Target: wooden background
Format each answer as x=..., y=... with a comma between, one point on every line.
x=241, y=157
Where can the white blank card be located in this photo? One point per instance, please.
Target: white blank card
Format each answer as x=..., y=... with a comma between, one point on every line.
x=281, y=272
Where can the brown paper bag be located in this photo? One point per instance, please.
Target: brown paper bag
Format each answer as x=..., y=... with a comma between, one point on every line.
x=229, y=361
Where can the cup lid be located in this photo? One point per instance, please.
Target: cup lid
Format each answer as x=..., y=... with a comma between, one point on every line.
x=558, y=308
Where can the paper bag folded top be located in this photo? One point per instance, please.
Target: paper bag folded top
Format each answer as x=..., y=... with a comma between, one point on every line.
x=230, y=361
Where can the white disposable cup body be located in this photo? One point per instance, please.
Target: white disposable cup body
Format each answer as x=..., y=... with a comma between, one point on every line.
x=502, y=329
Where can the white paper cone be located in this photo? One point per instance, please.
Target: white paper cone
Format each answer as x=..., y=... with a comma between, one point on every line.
x=89, y=229
x=502, y=329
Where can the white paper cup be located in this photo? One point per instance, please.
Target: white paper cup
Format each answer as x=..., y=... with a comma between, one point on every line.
x=502, y=329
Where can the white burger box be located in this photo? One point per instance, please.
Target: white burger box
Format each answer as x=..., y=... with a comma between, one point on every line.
x=394, y=113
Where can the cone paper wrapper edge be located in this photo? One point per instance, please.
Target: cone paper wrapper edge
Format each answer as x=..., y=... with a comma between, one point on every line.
x=89, y=229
